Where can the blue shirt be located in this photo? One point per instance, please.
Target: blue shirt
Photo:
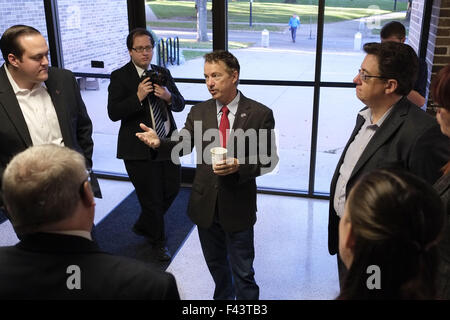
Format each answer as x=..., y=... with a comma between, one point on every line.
x=354, y=151
x=294, y=22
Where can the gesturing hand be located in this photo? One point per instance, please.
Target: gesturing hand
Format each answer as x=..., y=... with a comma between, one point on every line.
x=149, y=136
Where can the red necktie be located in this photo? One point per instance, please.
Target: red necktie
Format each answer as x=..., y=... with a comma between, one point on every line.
x=224, y=126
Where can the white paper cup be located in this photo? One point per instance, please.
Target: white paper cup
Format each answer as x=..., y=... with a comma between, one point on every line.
x=218, y=154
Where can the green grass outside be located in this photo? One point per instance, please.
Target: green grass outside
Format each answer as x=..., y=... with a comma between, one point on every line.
x=275, y=11
x=192, y=49
x=193, y=44
x=189, y=47
x=193, y=54
x=263, y=11
x=193, y=25
x=383, y=4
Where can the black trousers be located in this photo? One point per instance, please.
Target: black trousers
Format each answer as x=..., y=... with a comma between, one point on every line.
x=157, y=184
x=342, y=271
x=229, y=256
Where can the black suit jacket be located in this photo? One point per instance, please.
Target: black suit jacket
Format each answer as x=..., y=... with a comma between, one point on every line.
x=38, y=267
x=235, y=194
x=74, y=121
x=442, y=186
x=408, y=138
x=124, y=105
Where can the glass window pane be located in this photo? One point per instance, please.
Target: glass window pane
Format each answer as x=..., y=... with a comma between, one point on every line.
x=101, y=38
x=180, y=118
x=90, y=37
x=12, y=13
x=293, y=128
x=183, y=35
x=350, y=24
x=259, y=35
x=104, y=130
x=337, y=117
x=180, y=22
x=192, y=91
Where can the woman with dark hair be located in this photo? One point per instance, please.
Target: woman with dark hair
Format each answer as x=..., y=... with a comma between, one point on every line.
x=440, y=91
x=388, y=237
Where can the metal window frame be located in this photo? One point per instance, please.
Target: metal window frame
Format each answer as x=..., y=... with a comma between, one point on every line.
x=54, y=36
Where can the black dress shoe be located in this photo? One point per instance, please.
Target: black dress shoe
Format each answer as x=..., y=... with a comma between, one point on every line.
x=162, y=253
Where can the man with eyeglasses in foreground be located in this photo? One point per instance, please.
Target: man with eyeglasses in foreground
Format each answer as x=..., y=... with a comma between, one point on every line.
x=50, y=203
x=141, y=92
x=390, y=132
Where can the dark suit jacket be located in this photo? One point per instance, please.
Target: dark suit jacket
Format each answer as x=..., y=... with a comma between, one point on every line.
x=236, y=193
x=442, y=186
x=408, y=138
x=74, y=121
x=124, y=105
x=37, y=268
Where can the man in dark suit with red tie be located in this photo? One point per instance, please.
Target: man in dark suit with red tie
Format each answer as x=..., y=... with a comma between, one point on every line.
x=223, y=198
x=39, y=104
x=138, y=94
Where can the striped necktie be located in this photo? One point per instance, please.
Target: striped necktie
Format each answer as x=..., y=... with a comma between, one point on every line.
x=158, y=116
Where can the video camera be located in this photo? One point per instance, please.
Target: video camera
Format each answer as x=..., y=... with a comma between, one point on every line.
x=155, y=77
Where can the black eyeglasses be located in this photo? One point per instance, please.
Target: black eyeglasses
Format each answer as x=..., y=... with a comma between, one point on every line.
x=365, y=77
x=142, y=49
x=88, y=179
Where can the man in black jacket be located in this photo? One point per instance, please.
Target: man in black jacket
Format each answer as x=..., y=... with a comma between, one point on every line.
x=51, y=207
x=39, y=104
x=142, y=92
x=390, y=132
x=223, y=198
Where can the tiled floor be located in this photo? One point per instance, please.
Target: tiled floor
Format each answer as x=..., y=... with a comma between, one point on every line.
x=292, y=260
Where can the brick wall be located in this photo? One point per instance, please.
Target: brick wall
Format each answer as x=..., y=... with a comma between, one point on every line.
x=438, y=53
x=94, y=30
x=90, y=30
x=415, y=24
x=439, y=42
x=29, y=12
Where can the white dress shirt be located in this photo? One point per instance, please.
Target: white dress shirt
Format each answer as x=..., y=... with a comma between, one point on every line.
x=39, y=113
x=232, y=107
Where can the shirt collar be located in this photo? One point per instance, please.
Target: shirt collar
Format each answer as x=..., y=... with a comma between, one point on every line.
x=139, y=70
x=232, y=106
x=16, y=87
x=367, y=115
x=80, y=233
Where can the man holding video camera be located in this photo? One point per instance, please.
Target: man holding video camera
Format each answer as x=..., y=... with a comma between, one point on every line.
x=143, y=92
